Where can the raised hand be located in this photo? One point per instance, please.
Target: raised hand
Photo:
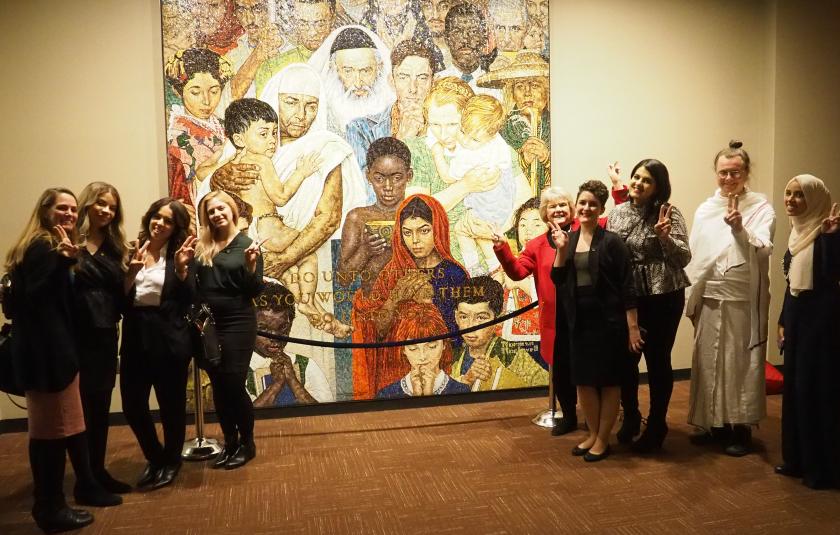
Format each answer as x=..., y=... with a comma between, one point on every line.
x=614, y=171
x=662, y=228
x=733, y=216
x=558, y=235
x=309, y=163
x=65, y=246
x=497, y=236
x=138, y=259
x=831, y=223
x=251, y=254
x=185, y=254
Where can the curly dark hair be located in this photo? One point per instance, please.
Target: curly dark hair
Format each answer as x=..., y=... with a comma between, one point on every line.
x=596, y=188
x=195, y=61
x=389, y=146
x=661, y=179
x=180, y=219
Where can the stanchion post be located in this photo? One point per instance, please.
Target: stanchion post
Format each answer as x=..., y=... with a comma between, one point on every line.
x=548, y=418
x=199, y=448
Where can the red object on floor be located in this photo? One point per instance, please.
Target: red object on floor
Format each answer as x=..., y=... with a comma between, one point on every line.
x=775, y=379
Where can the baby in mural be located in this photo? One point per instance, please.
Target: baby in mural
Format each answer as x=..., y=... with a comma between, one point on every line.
x=480, y=145
x=251, y=126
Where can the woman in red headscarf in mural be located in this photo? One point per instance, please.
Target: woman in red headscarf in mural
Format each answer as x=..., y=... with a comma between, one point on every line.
x=422, y=270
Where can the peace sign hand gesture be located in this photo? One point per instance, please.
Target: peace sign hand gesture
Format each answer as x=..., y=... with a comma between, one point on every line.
x=251, y=254
x=184, y=255
x=662, y=228
x=65, y=245
x=733, y=216
x=137, y=260
x=831, y=224
x=559, y=236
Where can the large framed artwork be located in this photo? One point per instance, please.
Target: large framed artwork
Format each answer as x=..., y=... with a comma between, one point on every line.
x=377, y=146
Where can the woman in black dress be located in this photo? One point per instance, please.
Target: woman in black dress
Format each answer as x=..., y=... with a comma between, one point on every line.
x=156, y=346
x=808, y=331
x=46, y=361
x=229, y=272
x=594, y=284
x=99, y=296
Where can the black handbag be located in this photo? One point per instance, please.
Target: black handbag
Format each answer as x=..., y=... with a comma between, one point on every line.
x=208, y=351
x=8, y=380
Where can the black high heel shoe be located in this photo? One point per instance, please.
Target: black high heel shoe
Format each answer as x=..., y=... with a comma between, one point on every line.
x=595, y=457
x=651, y=439
x=630, y=427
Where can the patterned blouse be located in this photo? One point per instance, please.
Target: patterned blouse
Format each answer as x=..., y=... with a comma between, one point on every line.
x=657, y=264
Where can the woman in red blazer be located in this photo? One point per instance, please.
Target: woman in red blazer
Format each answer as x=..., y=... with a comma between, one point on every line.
x=536, y=259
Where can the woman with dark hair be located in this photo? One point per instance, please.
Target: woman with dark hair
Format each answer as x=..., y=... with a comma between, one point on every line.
x=594, y=283
x=156, y=345
x=194, y=134
x=229, y=275
x=99, y=296
x=656, y=235
x=421, y=269
x=807, y=332
x=728, y=303
x=46, y=361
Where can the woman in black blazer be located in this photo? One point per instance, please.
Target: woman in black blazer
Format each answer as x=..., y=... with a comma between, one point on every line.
x=156, y=341
x=592, y=273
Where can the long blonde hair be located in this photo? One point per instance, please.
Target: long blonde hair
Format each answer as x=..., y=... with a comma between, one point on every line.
x=207, y=248
x=114, y=234
x=38, y=227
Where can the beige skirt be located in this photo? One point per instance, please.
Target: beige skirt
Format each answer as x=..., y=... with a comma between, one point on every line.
x=55, y=415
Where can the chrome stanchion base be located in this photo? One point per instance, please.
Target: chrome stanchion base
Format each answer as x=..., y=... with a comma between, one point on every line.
x=544, y=418
x=200, y=449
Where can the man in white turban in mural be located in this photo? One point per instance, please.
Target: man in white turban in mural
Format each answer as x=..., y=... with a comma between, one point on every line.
x=320, y=204
x=355, y=66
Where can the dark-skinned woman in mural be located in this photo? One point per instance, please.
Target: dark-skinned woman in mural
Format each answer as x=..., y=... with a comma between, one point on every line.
x=421, y=269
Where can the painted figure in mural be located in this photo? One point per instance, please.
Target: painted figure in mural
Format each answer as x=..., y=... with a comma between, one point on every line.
x=217, y=28
x=537, y=35
x=508, y=24
x=178, y=33
x=485, y=361
x=262, y=39
x=355, y=67
x=421, y=269
x=528, y=125
x=434, y=11
x=365, y=237
x=279, y=378
x=427, y=361
x=351, y=11
x=309, y=23
x=194, y=133
x=411, y=78
x=396, y=21
x=480, y=145
x=467, y=37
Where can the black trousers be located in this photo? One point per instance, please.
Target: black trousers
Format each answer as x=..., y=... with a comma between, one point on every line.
x=659, y=316
x=234, y=407
x=168, y=376
x=97, y=376
x=561, y=372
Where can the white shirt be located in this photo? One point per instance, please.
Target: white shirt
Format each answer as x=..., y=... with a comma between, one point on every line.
x=149, y=283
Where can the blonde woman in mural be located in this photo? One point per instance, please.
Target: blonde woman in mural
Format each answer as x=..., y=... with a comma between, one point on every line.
x=480, y=145
x=194, y=134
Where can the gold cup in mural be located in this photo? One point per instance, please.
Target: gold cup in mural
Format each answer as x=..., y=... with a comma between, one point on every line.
x=376, y=146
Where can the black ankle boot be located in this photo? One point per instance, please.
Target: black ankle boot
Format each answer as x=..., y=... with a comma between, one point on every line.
x=64, y=519
x=87, y=491
x=741, y=440
x=629, y=427
x=231, y=445
x=50, y=511
x=651, y=438
x=247, y=451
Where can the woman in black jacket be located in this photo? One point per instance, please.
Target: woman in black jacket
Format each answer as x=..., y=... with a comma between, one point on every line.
x=229, y=272
x=46, y=361
x=593, y=278
x=156, y=341
x=99, y=295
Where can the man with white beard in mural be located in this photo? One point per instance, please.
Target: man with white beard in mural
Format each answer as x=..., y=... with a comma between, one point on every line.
x=354, y=66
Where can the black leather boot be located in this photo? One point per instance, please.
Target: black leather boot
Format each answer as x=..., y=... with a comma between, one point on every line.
x=630, y=426
x=50, y=511
x=88, y=491
x=231, y=445
x=651, y=438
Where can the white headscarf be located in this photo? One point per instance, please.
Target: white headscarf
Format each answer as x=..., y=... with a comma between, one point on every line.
x=297, y=79
x=804, y=230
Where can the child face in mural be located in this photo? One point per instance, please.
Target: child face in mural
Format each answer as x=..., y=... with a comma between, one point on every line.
x=259, y=138
x=102, y=212
x=201, y=95
x=313, y=22
x=424, y=357
x=419, y=237
x=530, y=94
x=389, y=176
x=296, y=114
x=473, y=140
x=530, y=226
x=274, y=322
x=469, y=314
x=357, y=69
x=445, y=124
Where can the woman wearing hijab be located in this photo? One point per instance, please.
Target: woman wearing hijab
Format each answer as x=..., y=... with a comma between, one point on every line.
x=728, y=303
x=421, y=269
x=811, y=311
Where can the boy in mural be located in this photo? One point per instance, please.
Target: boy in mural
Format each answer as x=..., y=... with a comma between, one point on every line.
x=485, y=361
x=277, y=378
x=480, y=145
x=365, y=238
x=251, y=126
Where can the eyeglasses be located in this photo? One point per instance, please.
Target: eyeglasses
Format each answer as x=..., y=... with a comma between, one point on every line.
x=723, y=173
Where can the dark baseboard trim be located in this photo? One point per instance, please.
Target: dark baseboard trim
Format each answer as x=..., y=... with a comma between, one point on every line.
x=18, y=425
